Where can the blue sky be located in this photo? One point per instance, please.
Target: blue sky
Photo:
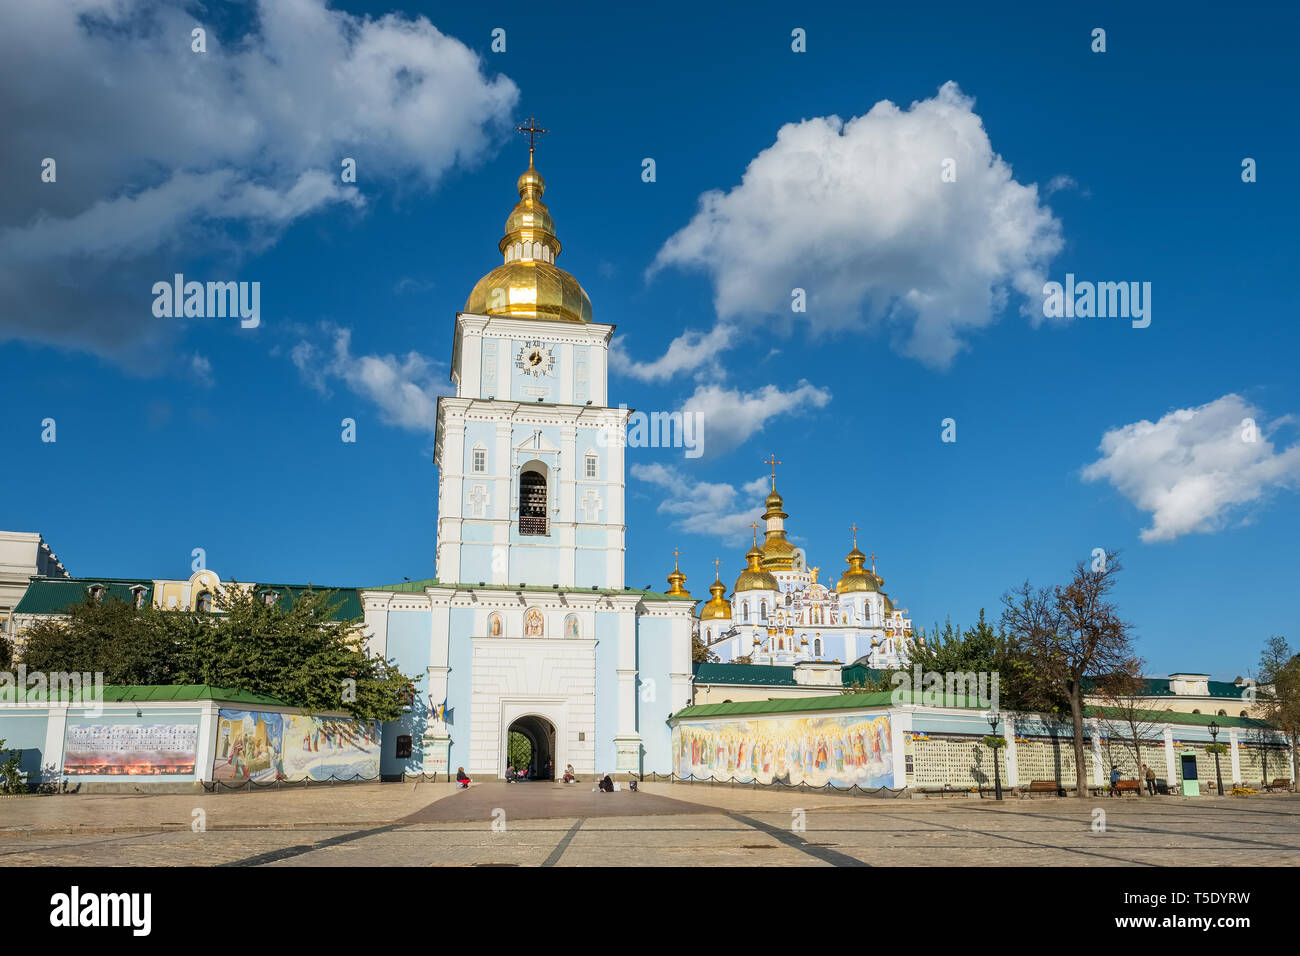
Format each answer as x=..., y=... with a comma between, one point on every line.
x=1119, y=166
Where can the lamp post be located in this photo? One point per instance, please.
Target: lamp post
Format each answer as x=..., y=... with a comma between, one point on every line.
x=1214, y=736
x=993, y=719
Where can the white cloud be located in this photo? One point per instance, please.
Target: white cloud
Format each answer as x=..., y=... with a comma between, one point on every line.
x=689, y=351
x=201, y=370
x=1059, y=183
x=166, y=156
x=857, y=215
x=1193, y=469
x=704, y=507
x=405, y=388
x=732, y=416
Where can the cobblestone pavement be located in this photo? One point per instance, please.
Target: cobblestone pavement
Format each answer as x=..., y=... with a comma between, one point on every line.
x=542, y=824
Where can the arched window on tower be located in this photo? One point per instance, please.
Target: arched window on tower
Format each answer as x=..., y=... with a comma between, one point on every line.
x=204, y=603
x=762, y=610
x=817, y=647
x=744, y=610
x=532, y=503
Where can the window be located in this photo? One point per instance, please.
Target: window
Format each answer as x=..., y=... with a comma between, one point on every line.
x=204, y=603
x=268, y=598
x=96, y=591
x=590, y=465
x=532, y=503
x=1195, y=711
x=404, y=747
x=745, y=611
x=478, y=460
x=1223, y=713
x=762, y=610
x=1243, y=713
x=817, y=647
x=137, y=597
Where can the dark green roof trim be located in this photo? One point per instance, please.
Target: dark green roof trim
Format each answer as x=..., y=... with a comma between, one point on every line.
x=753, y=675
x=117, y=693
x=410, y=587
x=1159, y=687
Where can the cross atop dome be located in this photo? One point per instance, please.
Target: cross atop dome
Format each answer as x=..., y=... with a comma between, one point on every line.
x=773, y=462
x=532, y=131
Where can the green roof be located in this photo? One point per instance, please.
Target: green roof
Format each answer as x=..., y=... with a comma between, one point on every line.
x=114, y=693
x=1159, y=687
x=409, y=587
x=56, y=595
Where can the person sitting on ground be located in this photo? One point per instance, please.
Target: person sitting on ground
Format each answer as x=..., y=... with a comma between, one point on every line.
x=631, y=784
x=606, y=784
x=569, y=775
x=1114, y=780
x=510, y=773
x=462, y=778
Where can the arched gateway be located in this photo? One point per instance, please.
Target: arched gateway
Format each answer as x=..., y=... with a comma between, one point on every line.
x=540, y=734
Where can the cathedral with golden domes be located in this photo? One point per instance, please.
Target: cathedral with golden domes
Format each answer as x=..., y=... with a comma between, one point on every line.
x=780, y=613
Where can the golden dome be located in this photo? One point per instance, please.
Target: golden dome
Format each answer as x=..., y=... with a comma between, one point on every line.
x=717, y=608
x=676, y=580
x=529, y=284
x=778, y=552
x=857, y=577
x=754, y=578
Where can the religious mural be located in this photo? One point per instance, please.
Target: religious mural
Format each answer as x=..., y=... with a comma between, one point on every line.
x=839, y=750
x=262, y=747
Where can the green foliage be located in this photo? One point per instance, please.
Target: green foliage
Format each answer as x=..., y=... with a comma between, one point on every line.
x=700, y=653
x=518, y=750
x=296, y=653
x=12, y=780
x=1216, y=749
x=995, y=743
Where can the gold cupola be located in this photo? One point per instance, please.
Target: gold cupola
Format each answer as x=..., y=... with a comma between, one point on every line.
x=778, y=552
x=857, y=577
x=754, y=578
x=528, y=284
x=717, y=608
x=676, y=580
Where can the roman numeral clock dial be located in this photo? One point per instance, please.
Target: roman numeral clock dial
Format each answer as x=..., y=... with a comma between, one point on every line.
x=535, y=359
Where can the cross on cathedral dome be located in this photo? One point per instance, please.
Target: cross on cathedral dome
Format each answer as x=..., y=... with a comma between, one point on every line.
x=528, y=284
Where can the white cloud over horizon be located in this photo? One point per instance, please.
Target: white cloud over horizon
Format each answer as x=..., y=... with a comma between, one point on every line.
x=165, y=155
x=732, y=416
x=858, y=216
x=1193, y=470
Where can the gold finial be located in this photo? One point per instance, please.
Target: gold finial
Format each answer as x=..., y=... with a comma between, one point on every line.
x=873, y=563
x=532, y=131
x=754, y=525
x=676, y=554
x=854, y=529
x=717, y=569
x=772, y=461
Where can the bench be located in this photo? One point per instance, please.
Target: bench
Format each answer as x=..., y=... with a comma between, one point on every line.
x=1128, y=786
x=1044, y=786
x=1279, y=783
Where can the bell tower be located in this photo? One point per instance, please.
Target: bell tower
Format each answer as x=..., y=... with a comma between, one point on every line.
x=529, y=454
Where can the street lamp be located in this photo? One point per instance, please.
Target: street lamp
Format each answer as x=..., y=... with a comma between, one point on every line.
x=993, y=719
x=1214, y=736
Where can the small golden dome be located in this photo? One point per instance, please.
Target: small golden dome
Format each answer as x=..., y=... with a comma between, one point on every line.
x=717, y=607
x=754, y=578
x=778, y=552
x=676, y=580
x=528, y=284
x=857, y=577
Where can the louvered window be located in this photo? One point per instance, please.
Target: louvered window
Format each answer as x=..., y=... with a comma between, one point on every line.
x=532, y=503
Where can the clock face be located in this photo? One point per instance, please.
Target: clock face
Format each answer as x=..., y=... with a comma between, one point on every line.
x=536, y=359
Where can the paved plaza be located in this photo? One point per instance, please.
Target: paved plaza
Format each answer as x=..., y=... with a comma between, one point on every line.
x=546, y=824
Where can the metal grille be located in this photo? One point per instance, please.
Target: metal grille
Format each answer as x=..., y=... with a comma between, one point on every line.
x=532, y=503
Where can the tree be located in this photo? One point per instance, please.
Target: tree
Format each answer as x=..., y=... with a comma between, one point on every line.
x=109, y=637
x=1279, y=692
x=297, y=652
x=700, y=653
x=1070, y=635
x=1133, y=717
x=12, y=779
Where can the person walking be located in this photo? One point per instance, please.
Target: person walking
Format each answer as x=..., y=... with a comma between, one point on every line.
x=1150, y=776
